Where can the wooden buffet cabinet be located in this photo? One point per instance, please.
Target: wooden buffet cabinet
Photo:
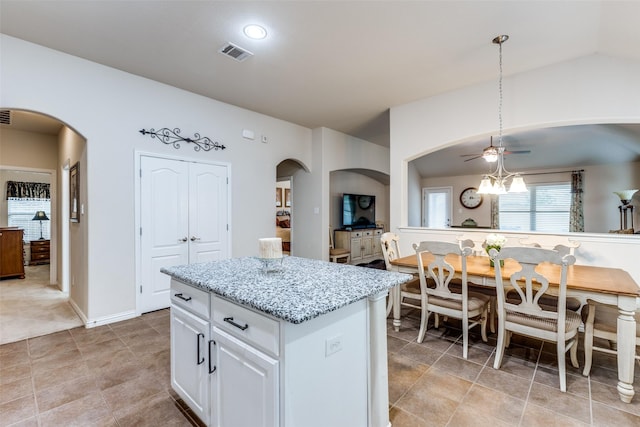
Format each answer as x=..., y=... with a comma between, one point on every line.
x=362, y=243
x=39, y=252
x=11, y=252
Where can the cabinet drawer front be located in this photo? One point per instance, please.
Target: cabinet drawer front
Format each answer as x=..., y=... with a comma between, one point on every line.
x=39, y=243
x=191, y=299
x=36, y=256
x=377, y=232
x=40, y=250
x=368, y=233
x=252, y=327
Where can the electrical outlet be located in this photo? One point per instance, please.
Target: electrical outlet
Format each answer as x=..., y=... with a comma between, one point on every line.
x=333, y=345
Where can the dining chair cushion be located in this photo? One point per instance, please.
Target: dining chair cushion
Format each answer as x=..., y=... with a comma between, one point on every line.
x=412, y=286
x=476, y=301
x=607, y=318
x=572, y=321
x=546, y=302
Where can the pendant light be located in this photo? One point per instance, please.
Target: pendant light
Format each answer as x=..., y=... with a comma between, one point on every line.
x=495, y=182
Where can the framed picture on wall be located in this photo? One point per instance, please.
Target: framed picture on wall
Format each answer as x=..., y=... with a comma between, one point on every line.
x=287, y=197
x=74, y=193
x=278, y=197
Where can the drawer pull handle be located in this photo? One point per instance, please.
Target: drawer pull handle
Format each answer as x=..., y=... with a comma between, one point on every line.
x=182, y=297
x=230, y=320
x=211, y=370
x=200, y=361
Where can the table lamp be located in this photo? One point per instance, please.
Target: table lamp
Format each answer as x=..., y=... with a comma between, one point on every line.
x=40, y=216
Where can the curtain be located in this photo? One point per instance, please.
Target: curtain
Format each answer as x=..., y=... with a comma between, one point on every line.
x=28, y=190
x=495, y=212
x=576, y=216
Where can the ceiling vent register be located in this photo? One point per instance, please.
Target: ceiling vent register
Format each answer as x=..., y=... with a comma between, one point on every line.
x=5, y=117
x=235, y=52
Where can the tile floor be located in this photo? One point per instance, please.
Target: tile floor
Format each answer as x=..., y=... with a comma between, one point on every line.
x=118, y=375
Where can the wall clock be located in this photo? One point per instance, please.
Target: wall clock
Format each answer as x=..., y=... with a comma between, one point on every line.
x=364, y=202
x=470, y=198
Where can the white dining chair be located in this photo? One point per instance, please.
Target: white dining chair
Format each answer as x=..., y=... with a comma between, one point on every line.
x=528, y=317
x=409, y=291
x=600, y=321
x=469, y=307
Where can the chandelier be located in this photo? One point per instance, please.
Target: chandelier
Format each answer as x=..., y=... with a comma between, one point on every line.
x=495, y=182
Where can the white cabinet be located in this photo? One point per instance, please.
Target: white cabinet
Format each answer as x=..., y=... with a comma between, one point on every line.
x=275, y=373
x=244, y=388
x=191, y=360
x=364, y=245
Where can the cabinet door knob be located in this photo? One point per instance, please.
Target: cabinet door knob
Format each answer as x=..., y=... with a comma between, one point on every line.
x=184, y=239
x=193, y=238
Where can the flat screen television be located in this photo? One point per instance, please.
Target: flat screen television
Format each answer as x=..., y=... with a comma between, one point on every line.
x=358, y=211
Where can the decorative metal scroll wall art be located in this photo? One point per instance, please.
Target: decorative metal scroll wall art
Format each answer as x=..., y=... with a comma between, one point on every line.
x=169, y=136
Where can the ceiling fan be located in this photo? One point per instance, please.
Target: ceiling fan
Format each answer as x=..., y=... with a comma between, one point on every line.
x=490, y=153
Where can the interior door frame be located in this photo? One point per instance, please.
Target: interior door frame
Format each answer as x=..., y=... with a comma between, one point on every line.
x=138, y=155
x=448, y=190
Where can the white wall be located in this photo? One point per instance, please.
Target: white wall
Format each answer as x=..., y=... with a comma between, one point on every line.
x=592, y=89
x=600, y=203
x=108, y=107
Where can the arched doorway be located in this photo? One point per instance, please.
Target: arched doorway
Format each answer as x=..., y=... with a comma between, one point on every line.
x=37, y=147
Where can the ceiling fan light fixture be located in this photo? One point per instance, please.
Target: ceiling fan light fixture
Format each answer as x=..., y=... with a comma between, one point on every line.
x=490, y=154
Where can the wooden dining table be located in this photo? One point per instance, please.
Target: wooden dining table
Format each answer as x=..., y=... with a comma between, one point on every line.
x=611, y=286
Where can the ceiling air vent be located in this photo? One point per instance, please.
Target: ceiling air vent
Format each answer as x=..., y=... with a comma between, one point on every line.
x=235, y=52
x=5, y=117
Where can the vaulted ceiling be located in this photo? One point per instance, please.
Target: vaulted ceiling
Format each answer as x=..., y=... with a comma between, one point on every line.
x=339, y=64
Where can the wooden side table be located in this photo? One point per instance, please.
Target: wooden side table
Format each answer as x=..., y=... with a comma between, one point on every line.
x=39, y=252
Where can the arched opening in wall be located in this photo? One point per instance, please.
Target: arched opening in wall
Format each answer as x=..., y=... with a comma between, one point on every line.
x=371, y=210
x=284, y=204
x=36, y=148
x=546, y=158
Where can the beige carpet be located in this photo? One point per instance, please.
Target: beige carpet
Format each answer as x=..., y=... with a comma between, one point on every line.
x=30, y=307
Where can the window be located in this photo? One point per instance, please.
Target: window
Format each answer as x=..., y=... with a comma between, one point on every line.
x=20, y=214
x=544, y=208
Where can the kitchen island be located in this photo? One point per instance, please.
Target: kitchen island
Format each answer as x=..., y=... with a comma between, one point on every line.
x=302, y=345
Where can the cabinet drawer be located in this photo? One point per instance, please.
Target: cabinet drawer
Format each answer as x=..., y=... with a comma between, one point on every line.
x=40, y=243
x=368, y=233
x=190, y=298
x=253, y=328
x=377, y=232
x=40, y=250
x=40, y=256
x=356, y=234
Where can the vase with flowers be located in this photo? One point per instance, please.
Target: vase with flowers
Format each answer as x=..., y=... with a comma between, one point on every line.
x=494, y=241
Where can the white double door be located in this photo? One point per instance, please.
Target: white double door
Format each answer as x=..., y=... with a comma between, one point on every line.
x=184, y=210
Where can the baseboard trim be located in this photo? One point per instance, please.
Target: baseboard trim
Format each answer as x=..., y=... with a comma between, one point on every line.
x=92, y=323
x=79, y=312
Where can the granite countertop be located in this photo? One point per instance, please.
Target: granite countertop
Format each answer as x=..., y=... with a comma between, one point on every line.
x=300, y=290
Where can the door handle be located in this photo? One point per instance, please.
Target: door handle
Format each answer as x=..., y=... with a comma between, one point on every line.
x=200, y=361
x=193, y=238
x=184, y=239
